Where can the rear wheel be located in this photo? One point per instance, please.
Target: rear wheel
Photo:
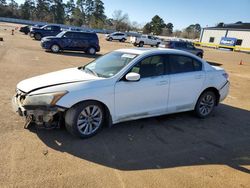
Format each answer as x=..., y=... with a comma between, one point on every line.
x=205, y=104
x=110, y=38
x=122, y=40
x=85, y=119
x=141, y=44
x=55, y=48
x=91, y=51
x=38, y=36
x=200, y=55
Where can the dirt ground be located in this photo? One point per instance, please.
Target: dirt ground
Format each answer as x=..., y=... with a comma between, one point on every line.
x=170, y=151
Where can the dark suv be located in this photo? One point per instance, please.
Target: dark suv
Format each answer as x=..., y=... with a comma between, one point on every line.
x=72, y=40
x=48, y=30
x=182, y=45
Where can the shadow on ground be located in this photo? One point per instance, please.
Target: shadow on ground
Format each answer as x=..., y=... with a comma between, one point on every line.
x=77, y=54
x=214, y=63
x=164, y=142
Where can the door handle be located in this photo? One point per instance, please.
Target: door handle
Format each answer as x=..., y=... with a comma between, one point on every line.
x=198, y=76
x=163, y=82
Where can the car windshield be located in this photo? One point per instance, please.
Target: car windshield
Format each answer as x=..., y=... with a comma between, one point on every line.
x=109, y=64
x=61, y=34
x=44, y=26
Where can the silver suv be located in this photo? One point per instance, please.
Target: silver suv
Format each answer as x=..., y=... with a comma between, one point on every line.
x=182, y=45
x=122, y=37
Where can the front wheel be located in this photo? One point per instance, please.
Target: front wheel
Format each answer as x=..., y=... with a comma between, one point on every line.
x=55, y=48
x=200, y=55
x=205, y=104
x=84, y=119
x=141, y=44
x=38, y=36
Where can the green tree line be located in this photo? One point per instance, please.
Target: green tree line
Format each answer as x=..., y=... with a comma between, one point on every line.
x=157, y=26
x=90, y=13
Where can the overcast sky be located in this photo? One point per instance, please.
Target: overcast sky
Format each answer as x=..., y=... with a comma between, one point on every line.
x=181, y=12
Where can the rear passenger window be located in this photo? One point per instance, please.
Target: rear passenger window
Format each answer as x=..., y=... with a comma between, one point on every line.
x=87, y=35
x=197, y=65
x=182, y=64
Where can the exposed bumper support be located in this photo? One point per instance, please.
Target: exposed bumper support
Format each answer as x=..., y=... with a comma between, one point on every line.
x=45, y=116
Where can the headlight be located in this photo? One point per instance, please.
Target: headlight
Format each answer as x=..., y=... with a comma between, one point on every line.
x=46, y=40
x=44, y=99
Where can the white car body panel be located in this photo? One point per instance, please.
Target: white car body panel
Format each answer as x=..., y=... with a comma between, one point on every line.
x=53, y=78
x=114, y=36
x=146, y=40
x=142, y=93
x=148, y=97
x=191, y=84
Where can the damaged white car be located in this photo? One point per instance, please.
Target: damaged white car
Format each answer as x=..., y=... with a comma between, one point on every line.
x=123, y=85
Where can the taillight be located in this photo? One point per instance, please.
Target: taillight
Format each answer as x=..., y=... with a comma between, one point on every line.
x=225, y=75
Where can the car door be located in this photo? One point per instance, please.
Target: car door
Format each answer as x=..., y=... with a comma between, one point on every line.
x=85, y=40
x=116, y=36
x=67, y=40
x=190, y=48
x=145, y=97
x=186, y=81
x=47, y=31
x=77, y=41
x=149, y=40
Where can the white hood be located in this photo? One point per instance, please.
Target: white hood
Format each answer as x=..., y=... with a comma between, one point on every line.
x=55, y=78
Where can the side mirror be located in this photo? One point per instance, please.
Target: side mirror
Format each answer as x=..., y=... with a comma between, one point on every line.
x=133, y=77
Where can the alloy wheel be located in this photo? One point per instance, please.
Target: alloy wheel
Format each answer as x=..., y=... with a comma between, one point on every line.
x=89, y=120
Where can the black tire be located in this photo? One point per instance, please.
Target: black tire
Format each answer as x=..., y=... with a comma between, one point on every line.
x=110, y=38
x=157, y=45
x=200, y=55
x=74, y=113
x=122, y=40
x=91, y=51
x=38, y=36
x=141, y=44
x=205, y=104
x=55, y=48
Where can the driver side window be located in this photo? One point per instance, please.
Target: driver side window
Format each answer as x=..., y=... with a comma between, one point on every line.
x=150, y=66
x=48, y=28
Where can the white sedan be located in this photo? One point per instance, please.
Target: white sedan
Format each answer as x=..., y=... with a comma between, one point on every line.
x=126, y=84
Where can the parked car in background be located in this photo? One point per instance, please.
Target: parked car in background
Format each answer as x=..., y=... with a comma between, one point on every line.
x=145, y=40
x=182, y=45
x=72, y=40
x=48, y=30
x=123, y=85
x=122, y=37
x=25, y=29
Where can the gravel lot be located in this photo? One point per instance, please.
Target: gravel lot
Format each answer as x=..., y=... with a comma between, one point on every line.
x=169, y=151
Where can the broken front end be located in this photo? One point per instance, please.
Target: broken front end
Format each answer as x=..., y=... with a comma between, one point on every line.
x=40, y=109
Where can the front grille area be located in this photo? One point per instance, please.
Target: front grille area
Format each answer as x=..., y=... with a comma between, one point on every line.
x=20, y=95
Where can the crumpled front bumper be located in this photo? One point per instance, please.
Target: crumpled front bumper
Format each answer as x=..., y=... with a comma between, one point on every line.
x=40, y=115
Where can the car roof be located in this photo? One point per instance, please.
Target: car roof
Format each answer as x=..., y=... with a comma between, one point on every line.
x=145, y=51
x=79, y=32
